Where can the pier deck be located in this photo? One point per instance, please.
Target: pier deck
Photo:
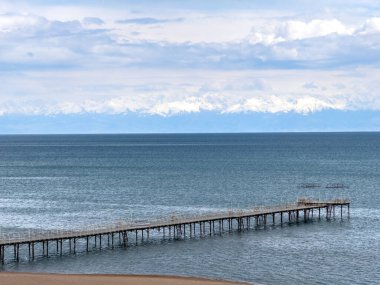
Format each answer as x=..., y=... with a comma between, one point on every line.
x=66, y=241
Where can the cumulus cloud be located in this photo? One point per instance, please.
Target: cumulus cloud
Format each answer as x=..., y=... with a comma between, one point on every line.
x=28, y=25
x=292, y=44
x=200, y=61
x=298, y=30
x=16, y=23
x=222, y=92
x=18, y=26
x=371, y=25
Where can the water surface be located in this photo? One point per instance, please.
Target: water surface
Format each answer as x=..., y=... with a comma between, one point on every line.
x=72, y=181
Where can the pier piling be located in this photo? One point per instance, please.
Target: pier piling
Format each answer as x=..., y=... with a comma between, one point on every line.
x=239, y=220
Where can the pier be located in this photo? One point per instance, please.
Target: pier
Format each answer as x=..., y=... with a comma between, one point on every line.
x=30, y=245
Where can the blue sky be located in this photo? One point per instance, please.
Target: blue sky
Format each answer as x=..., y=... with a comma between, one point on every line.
x=172, y=66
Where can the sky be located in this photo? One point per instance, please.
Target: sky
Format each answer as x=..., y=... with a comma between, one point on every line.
x=189, y=66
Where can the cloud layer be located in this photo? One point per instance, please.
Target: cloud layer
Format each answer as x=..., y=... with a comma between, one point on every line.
x=114, y=60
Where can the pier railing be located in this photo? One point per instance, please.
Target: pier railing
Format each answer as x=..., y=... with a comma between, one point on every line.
x=172, y=219
x=36, y=243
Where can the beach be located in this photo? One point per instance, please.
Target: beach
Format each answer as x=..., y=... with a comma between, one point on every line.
x=7, y=278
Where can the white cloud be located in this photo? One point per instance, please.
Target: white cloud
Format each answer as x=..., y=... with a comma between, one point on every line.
x=16, y=23
x=371, y=25
x=225, y=61
x=180, y=92
x=298, y=30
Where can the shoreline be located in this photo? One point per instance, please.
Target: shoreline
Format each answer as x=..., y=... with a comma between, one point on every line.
x=24, y=278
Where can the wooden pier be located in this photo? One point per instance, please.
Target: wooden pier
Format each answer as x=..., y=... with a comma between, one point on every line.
x=30, y=245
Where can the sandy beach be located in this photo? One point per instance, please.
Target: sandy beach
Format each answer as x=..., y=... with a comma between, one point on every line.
x=7, y=278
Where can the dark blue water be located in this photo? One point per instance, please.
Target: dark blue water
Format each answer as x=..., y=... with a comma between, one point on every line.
x=66, y=182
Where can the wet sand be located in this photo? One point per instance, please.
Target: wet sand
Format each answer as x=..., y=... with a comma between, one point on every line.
x=8, y=278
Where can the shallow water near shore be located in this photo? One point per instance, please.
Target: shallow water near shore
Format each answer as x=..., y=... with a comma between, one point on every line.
x=74, y=181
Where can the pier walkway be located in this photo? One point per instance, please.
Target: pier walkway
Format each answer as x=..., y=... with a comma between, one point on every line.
x=28, y=246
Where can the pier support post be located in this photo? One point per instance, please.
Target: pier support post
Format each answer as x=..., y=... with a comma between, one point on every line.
x=306, y=209
x=327, y=212
x=2, y=253
x=125, y=238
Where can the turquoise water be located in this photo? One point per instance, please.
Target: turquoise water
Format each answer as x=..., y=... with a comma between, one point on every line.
x=72, y=181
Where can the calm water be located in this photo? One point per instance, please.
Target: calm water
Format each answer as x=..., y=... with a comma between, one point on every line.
x=64, y=182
